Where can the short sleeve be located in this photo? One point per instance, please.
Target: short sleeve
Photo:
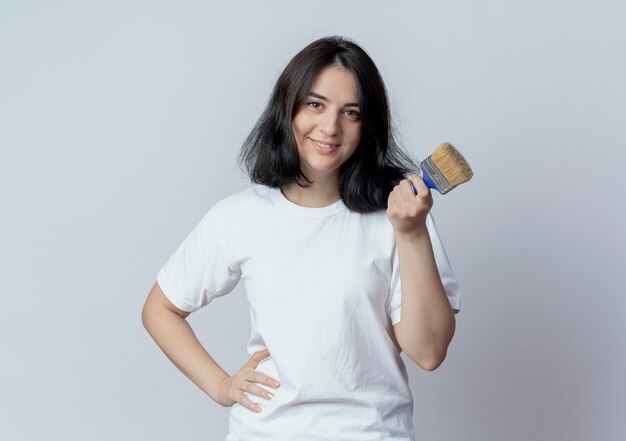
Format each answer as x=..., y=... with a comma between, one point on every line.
x=202, y=267
x=448, y=278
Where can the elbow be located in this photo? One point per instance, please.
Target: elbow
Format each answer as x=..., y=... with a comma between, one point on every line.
x=145, y=316
x=428, y=356
x=148, y=313
x=429, y=361
x=432, y=363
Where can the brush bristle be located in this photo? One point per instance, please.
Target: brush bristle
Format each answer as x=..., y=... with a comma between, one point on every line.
x=451, y=164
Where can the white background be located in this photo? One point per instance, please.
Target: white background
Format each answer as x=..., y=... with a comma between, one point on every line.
x=120, y=123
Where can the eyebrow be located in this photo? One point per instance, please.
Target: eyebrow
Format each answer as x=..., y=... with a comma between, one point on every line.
x=323, y=98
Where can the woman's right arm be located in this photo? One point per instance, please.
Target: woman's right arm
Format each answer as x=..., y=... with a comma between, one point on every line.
x=168, y=326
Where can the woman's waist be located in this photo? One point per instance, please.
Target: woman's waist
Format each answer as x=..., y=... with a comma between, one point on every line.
x=352, y=417
x=324, y=389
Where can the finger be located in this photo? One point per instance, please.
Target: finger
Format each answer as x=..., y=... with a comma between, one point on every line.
x=411, y=180
x=249, y=404
x=420, y=185
x=393, y=194
x=260, y=377
x=407, y=193
x=423, y=195
x=259, y=391
x=258, y=356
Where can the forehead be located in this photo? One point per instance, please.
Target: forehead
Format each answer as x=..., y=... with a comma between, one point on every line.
x=337, y=84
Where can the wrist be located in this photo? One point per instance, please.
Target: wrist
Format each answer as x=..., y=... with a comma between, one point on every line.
x=414, y=235
x=220, y=392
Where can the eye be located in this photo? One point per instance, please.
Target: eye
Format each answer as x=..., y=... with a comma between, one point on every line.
x=314, y=104
x=353, y=114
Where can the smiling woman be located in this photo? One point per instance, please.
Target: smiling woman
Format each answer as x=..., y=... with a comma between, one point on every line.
x=318, y=240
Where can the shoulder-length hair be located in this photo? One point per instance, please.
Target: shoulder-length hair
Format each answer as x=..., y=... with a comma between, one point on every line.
x=269, y=154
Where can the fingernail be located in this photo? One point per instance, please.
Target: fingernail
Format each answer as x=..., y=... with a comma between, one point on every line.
x=270, y=395
x=275, y=384
x=258, y=408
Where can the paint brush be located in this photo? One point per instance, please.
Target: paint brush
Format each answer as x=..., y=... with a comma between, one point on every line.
x=445, y=169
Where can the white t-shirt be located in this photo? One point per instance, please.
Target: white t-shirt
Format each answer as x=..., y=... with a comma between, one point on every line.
x=323, y=287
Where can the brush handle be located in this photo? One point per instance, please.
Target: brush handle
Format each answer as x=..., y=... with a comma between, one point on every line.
x=429, y=183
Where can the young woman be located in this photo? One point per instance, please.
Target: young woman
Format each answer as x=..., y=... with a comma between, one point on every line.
x=340, y=259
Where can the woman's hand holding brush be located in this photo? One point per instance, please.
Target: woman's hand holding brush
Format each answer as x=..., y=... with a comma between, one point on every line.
x=406, y=210
x=411, y=200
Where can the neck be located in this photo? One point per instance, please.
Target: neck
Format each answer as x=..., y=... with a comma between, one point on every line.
x=319, y=194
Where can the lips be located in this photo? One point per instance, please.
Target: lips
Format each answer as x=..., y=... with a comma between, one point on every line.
x=324, y=145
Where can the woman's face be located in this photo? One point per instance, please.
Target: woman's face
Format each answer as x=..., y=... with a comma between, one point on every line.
x=327, y=127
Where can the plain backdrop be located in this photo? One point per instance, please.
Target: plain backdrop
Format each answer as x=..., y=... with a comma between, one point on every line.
x=120, y=123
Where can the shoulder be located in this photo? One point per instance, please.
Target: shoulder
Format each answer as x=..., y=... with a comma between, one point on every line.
x=241, y=201
x=239, y=208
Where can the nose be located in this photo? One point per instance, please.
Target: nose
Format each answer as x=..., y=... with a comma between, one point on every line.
x=329, y=124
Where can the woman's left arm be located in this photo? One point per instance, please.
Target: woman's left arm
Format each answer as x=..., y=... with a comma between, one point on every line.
x=427, y=322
